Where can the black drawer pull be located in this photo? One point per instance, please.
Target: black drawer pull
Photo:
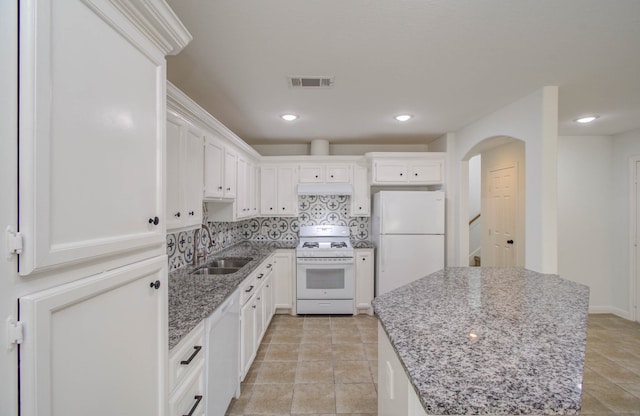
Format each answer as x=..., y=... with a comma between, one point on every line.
x=193, y=409
x=250, y=289
x=261, y=275
x=197, y=349
x=269, y=266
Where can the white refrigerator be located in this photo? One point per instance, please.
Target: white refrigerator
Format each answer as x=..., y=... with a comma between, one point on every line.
x=408, y=233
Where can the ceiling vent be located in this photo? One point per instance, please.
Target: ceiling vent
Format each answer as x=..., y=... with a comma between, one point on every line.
x=310, y=82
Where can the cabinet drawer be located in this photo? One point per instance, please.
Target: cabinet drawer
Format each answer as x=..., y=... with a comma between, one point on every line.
x=186, y=356
x=189, y=397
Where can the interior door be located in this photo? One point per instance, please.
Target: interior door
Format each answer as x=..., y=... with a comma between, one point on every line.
x=502, y=192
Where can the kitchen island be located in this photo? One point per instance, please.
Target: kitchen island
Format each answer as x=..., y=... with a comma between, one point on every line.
x=499, y=341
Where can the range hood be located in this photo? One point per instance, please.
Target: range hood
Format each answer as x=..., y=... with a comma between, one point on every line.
x=325, y=189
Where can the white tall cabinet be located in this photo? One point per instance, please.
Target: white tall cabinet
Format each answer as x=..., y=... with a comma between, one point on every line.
x=90, y=243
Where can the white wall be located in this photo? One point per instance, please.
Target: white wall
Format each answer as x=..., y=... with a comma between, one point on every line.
x=8, y=185
x=534, y=120
x=336, y=149
x=624, y=147
x=585, y=193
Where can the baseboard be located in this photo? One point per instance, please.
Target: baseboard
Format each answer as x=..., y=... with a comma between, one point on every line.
x=610, y=309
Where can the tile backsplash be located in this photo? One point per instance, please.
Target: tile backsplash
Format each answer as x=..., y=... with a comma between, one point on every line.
x=312, y=210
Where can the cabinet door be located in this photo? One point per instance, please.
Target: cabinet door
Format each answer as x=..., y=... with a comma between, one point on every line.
x=287, y=196
x=242, y=194
x=91, y=150
x=393, y=384
x=364, y=280
x=88, y=337
x=213, y=169
x=338, y=173
x=311, y=173
x=268, y=301
x=389, y=171
x=268, y=190
x=428, y=171
x=230, y=173
x=284, y=276
x=174, y=174
x=259, y=316
x=247, y=336
x=193, y=178
x=361, y=199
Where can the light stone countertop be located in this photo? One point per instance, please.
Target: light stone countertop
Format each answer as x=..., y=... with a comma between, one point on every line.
x=193, y=298
x=499, y=341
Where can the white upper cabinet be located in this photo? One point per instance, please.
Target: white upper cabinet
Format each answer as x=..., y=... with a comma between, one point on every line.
x=321, y=173
x=185, y=151
x=361, y=198
x=278, y=191
x=230, y=173
x=92, y=130
x=406, y=168
x=213, y=168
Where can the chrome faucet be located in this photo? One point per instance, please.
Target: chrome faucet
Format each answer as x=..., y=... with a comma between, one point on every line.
x=200, y=254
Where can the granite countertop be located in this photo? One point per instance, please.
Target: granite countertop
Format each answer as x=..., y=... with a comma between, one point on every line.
x=362, y=244
x=192, y=298
x=500, y=341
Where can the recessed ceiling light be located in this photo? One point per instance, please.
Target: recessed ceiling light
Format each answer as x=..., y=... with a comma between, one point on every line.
x=403, y=117
x=587, y=119
x=289, y=117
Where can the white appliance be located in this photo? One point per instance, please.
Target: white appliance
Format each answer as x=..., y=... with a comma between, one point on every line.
x=408, y=233
x=223, y=357
x=325, y=271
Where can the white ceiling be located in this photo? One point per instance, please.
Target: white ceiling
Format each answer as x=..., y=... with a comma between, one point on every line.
x=448, y=62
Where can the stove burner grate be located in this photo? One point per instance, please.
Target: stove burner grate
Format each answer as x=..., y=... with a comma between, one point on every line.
x=311, y=244
x=339, y=244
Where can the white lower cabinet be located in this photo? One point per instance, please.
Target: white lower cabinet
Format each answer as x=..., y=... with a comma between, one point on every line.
x=364, y=280
x=189, y=398
x=284, y=280
x=396, y=396
x=187, y=374
x=256, y=312
x=89, y=342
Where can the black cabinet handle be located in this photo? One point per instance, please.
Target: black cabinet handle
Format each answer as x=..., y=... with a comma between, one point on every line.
x=415, y=174
x=261, y=275
x=509, y=241
x=197, y=398
x=401, y=174
x=177, y=214
x=219, y=188
x=269, y=265
x=250, y=289
x=316, y=176
x=154, y=220
x=283, y=208
x=196, y=349
x=191, y=213
x=155, y=285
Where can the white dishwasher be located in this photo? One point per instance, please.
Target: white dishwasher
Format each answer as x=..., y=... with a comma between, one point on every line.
x=223, y=355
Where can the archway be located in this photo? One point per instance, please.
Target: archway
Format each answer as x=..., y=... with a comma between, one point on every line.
x=499, y=226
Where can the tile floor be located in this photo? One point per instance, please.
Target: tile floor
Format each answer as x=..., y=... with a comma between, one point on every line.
x=611, y=384
x=320, y=365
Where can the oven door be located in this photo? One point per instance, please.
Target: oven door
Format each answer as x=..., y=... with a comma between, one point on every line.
x=325, y=281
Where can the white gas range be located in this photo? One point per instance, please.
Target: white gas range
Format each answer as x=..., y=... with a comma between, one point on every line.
x=325, y=270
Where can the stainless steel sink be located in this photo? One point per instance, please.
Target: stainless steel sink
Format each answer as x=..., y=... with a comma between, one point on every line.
x=223, y=266
x=231, y=262
x=216, y=270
